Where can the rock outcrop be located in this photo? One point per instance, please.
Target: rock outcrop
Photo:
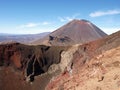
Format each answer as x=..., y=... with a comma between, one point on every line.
x=30, y=60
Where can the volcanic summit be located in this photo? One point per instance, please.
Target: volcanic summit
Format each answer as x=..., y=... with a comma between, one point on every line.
x=74, y=32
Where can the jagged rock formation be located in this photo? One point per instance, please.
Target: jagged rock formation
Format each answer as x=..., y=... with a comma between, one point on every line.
x=74, y=32
x=30, y=60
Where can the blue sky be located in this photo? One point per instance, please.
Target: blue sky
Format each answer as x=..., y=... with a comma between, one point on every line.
x=36, y=16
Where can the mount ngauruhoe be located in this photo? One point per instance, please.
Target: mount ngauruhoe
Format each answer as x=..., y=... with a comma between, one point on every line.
x=74, y=32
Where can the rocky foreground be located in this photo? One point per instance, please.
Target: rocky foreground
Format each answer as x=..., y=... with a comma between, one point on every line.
x=91, y=66
x=101, y=73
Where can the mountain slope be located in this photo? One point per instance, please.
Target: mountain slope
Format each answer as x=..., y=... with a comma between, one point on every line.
x=76, y=31
x=91, y=66
x=101, y=73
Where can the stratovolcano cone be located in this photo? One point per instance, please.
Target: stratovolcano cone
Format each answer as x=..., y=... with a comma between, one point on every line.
x=74, y=32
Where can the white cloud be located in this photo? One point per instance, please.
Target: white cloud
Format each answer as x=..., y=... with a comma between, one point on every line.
x=68, y=18
x=110, y=30
x=46, y=23
x=29, y=25
x=32, y=25
x=61, y=19
x=103, y=13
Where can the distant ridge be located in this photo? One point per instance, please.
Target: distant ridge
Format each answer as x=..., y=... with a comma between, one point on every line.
x=74, y=32
x=22, y=38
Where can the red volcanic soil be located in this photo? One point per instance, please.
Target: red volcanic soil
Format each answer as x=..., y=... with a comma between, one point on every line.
x=91, y=64
x=74, y=32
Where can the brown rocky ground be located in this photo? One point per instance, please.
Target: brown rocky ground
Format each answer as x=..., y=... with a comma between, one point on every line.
x=101, y=73
x=93, y=66
x=75, y=67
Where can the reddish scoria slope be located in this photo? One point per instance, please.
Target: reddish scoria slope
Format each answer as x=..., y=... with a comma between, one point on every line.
x=91, y=66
